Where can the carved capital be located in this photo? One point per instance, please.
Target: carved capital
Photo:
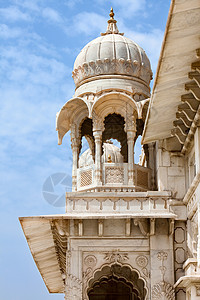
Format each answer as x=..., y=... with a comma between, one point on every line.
x=131, y=135
x=98, y=123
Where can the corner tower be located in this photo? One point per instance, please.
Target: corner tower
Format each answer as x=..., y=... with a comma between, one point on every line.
x=112, y=76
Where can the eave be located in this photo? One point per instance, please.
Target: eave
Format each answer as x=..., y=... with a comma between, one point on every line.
x=46, y=246
x=175, y=97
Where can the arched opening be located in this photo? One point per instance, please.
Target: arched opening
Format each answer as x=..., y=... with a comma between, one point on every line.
x=87, y=139
x=114, y=129
x=113, y=288
x=118, y=282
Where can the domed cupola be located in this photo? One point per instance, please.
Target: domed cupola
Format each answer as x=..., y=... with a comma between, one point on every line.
x=112, y=76
x=112, y=56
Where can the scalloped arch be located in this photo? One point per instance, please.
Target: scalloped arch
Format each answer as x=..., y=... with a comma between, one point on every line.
x=74, y=109
x=105, y=270
x=114, y=102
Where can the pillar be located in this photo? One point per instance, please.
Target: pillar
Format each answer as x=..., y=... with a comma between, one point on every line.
x=130, y=142
x=74, y=146
x=98, y=141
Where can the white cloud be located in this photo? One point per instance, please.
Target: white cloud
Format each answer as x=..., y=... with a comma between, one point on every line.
x=72, y=3
x=88, y=23
x=9, y=33
x=27, y=4
x=13, y=14
x=126, y=8
x=51, y=15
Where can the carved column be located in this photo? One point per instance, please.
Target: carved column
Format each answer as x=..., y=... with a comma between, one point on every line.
x=130, y=142
x=98, y=141
x=74, y=146
x=130, y=128
x=98, y=127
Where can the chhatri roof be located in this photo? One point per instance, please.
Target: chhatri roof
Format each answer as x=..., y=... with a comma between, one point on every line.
x=176, y=92
x=112, y=53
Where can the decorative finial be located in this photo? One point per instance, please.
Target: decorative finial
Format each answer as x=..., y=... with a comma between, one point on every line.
x=112, y=26
x=111, y=14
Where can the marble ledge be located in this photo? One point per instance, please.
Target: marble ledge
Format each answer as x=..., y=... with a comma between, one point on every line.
x=132, y=195
x=85, y=215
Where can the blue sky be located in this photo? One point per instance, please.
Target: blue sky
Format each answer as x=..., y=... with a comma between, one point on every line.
x=40, y=40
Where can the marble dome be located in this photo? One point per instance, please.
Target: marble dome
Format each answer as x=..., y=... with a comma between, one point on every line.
x=111, y=54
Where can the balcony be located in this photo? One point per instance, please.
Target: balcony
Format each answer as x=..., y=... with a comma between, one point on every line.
x=114, y=178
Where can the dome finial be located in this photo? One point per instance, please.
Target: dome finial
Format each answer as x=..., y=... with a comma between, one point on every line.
x=111, y=14
x=112, y=26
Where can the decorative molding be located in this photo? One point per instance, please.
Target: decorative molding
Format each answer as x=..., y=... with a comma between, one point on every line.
x=112, y=66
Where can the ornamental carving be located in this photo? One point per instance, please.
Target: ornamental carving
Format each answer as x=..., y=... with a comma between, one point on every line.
x=114, y=175
x=194, y=231
x=116, y=256
x=141, y=261
x=164, y=291
x=98, y=123
x=90, y=261
x=111, y=66
x=162, y=256
x=73, y=287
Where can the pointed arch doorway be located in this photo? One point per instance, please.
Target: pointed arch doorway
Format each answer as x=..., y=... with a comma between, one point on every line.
x=116, y=282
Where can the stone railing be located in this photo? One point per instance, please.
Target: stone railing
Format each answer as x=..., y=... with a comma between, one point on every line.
x=139, y=203
x=114, y=177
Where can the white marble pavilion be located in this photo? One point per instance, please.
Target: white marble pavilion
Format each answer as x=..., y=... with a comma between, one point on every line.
x=130, y=231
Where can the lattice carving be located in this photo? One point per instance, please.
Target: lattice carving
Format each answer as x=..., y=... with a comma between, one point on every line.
x=142, y=178
x=114, y=175
x=86, y=178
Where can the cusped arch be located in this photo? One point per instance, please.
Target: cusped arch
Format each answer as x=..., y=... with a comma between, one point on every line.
x=75, y=109
x=115, y=102
x=120, y=271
